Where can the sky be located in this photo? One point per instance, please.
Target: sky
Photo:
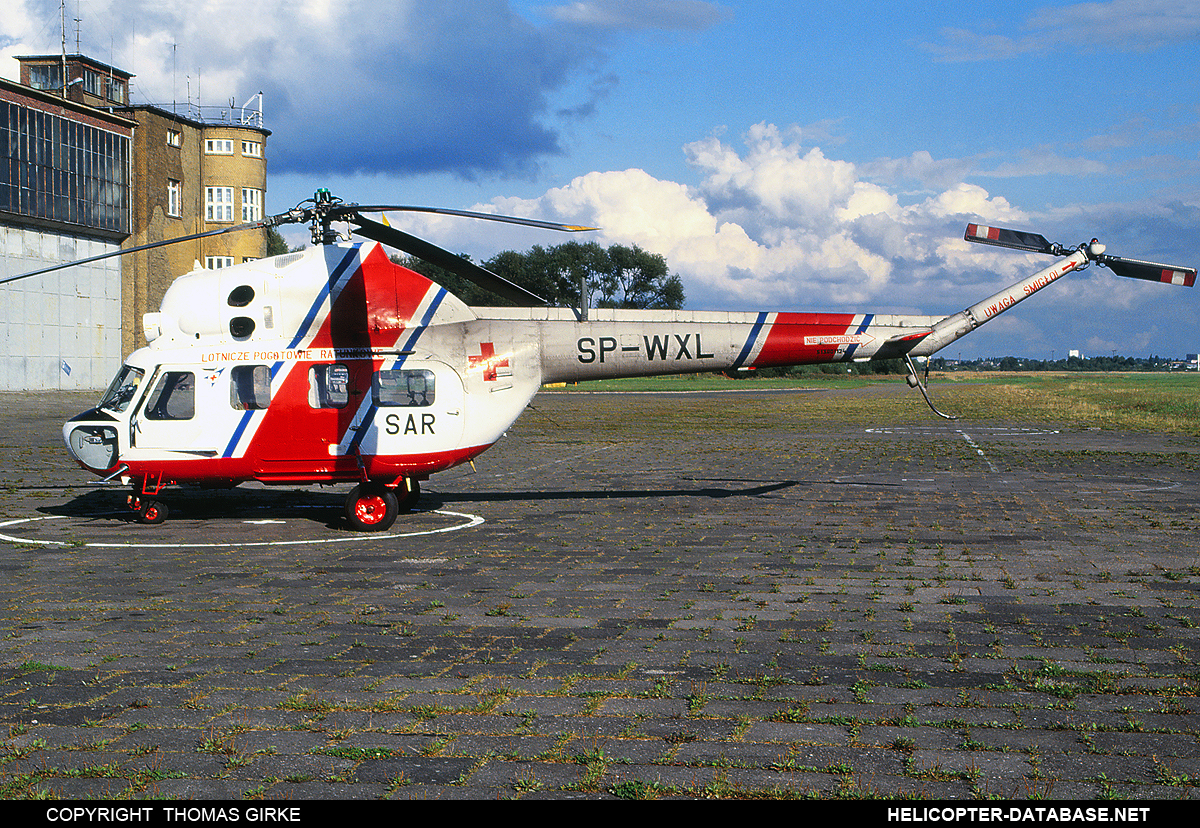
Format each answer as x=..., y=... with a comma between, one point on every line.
x=782, y=156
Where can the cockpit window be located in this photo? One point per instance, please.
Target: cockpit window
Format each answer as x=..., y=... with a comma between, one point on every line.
x=123, y=389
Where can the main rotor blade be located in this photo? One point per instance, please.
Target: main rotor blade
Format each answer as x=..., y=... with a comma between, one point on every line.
x=1150, y=271
x=399, y=208
x=444, y=259
x=1015, y=239
x=236, y=228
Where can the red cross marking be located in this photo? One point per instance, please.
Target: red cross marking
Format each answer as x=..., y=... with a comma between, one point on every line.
x=487, y=358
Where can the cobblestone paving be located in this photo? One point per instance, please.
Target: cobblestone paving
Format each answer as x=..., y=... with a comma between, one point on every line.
x=700, y=595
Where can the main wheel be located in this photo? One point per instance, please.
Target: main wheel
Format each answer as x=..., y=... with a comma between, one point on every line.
x=371, y=507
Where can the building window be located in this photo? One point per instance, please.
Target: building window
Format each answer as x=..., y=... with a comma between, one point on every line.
x=218, y=203
x=174, y=197
x=217, y=262
x=93, y=83
x=60, y=169
x=174, y=138
x=46, y=76
x=116, y=90
x=252, y=149
x=218, y=146
x=251, y=204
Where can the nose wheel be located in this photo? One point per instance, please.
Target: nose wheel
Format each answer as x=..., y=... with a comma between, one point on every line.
x=148, y=511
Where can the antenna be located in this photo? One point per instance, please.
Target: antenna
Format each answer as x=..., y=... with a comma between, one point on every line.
x=62, y=14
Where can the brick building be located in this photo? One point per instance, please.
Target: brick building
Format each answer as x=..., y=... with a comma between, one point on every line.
x=191, y=176
x=83, y=173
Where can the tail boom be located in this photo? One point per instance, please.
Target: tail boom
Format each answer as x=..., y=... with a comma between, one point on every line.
x=960, y=324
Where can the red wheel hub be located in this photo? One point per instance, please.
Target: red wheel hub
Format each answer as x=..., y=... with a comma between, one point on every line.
x=370, y=509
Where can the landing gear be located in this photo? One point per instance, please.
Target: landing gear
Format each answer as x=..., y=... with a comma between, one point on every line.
x=409, y=493
x=148, y=511
x=153, y=511
x=372, y=507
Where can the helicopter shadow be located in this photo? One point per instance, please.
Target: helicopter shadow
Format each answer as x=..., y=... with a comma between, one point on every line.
x=326, y=507
x=757, y=489
x=312, y=506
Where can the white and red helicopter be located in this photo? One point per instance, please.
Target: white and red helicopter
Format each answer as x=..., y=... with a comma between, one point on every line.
x=336, y=365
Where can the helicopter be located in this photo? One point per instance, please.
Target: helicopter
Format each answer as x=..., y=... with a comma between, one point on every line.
x=336, y=365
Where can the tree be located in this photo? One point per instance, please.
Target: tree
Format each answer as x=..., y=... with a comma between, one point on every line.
x=276, y=246
x=619, y=277
x=638, y=279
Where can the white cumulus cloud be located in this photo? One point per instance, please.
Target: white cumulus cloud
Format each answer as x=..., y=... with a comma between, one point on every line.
x=771, y=224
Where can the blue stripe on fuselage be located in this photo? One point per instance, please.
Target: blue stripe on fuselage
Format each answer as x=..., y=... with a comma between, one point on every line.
x=327, y=290
x=748, y=348
x=866, y=323
x=409, y=344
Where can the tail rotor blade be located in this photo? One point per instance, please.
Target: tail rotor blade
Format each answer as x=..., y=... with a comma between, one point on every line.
x=1094, y=250
x=1015, y=239
x=1150, y=271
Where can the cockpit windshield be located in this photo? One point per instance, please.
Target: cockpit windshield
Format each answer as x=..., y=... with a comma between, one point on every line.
x=123, y=389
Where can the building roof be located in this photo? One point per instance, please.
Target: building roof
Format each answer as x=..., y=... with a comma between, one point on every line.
x=91, y=62
x=199, y=116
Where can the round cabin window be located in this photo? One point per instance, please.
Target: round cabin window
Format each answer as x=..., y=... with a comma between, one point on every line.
x=241, y=327
x=241, y=296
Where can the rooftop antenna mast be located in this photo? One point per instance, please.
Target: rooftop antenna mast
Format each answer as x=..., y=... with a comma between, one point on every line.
x=62, y=15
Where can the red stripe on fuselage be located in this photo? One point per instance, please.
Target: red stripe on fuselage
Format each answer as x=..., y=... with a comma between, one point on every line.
x=372, y=310
x=785, y=343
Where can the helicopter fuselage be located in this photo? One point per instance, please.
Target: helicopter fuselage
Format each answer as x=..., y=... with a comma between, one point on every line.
x=338, y=365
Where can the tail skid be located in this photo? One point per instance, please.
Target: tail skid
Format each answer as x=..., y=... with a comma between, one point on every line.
x=914, y=381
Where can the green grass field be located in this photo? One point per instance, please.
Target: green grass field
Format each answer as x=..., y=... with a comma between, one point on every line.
x=1160, y=402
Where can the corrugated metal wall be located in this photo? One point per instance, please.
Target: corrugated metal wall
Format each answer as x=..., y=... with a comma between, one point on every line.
x=60, y=330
